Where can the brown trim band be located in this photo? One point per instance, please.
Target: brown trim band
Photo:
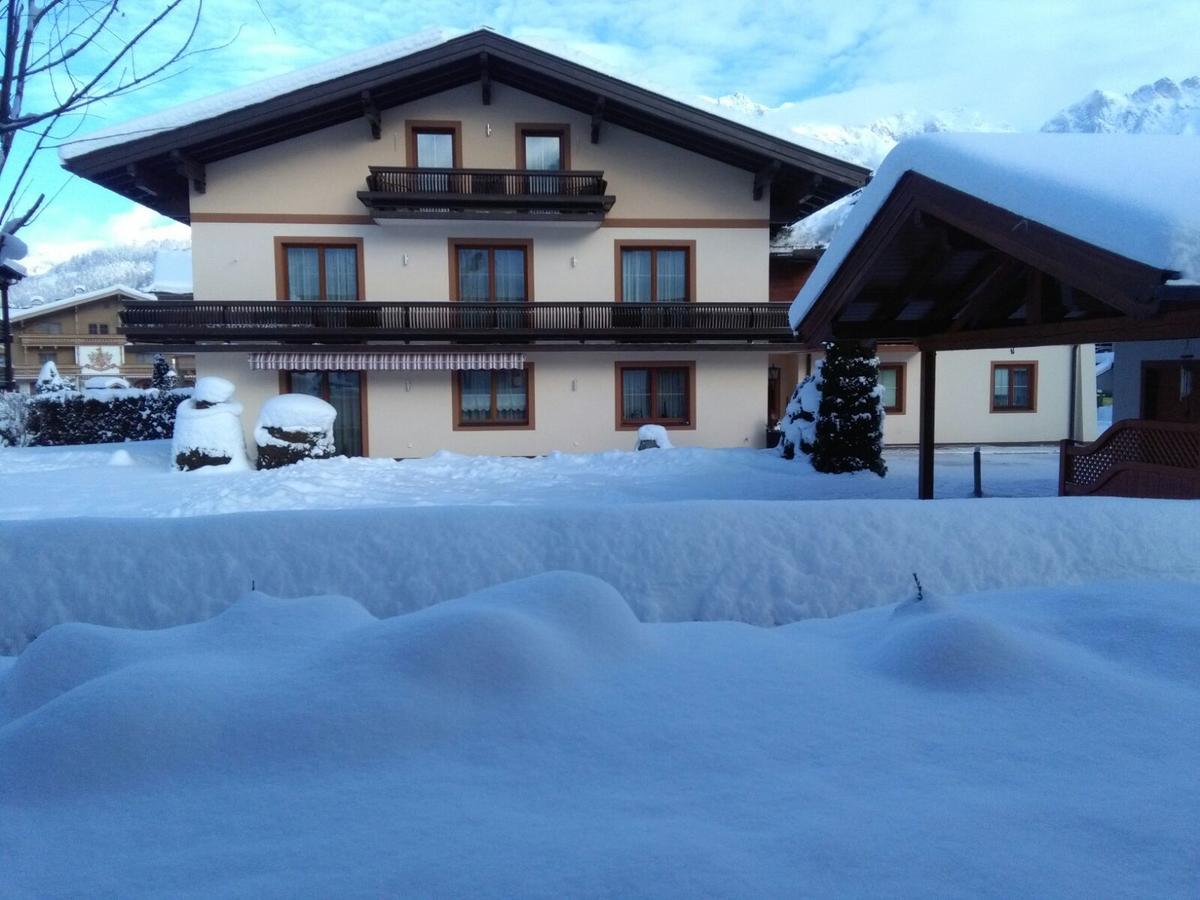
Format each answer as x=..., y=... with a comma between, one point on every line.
x=685, y=223
x=283, y=218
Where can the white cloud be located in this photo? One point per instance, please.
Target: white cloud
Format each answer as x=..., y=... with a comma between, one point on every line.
x=137, y=225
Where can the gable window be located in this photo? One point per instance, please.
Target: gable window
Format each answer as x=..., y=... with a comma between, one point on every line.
x=655, y=394
x=654, y=274
x=97, y=328
x=320, y=270
x=1014, y=387
x=434, y=145
x=543, y=148
x=891, y=379
x=500, y=398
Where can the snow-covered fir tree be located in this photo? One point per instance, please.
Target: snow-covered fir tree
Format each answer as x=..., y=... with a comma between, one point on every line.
x=798, y=427
x=849, y=430
x=49, y=381
x=163, y=377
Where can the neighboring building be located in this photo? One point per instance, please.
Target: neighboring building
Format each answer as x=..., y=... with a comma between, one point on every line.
x=81, y=335
x=505, y=252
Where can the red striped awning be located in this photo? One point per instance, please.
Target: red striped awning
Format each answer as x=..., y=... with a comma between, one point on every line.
x=328, y=361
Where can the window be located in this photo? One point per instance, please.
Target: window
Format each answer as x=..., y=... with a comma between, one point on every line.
x=434, y=145
x=48, y=357
x=544, y=148
x=500, y=398
x=47, y=328
x=655, y=394
x=346, y=392
x=319, y=270
x=1014, y=387
x=648, y=274
x=491, y=273
x=891, y=379
x=97, y=328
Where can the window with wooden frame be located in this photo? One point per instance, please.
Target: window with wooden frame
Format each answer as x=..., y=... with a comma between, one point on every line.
x=433, y=144
x=891, y=379
x=655, y=273
x=656, y=394
x=1014, y=387
x=97, y=328
x=496, y=398
x=319, y=269
x=491, y=271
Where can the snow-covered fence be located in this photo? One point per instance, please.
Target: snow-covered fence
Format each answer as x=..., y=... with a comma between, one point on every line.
x=100, y=416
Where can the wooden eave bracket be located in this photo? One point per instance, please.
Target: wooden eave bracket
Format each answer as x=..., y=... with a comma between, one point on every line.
x=148, y=182
x=762, y=181
x=485, y=80
x=372, y=115
x=597, y=119
x=191, y=169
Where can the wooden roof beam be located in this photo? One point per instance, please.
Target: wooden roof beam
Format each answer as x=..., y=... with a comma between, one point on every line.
x=762, y=181
x=976, y=303
x=191, y=169
x=926, y=271
x=372, y=115
x=597, y=119
x=485, y=79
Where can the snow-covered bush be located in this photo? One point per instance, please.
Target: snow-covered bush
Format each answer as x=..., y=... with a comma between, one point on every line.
x=798, y=427
x=849, y=427
x=50, y=382
x=208, y=429
x=67, y=417
x=292, y=427
x=653, y=437
x=105, y=383
x=14, y=410
x=163, y=377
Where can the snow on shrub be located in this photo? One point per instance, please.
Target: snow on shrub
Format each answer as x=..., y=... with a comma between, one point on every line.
x=105, y=383
x=66, y=417
x=208, y=429
x=849, y=427
x=14, y=411
x=798, y=427
x=292, y=427
x=653, y=437
x=49, y=381
x=163, y=377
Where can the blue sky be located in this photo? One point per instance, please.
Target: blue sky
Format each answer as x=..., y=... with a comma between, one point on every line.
x=843, y=62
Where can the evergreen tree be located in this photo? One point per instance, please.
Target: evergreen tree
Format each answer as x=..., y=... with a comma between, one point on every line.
x=799, y=422
x=49, y=381
x=849, y=433
x=163, y=377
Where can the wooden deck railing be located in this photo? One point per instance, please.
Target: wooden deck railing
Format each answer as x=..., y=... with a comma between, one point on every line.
x=397, y=190
x=187, y=321
x=1134, y=458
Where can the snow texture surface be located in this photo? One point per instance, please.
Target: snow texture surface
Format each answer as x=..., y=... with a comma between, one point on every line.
x=214, y=431
x=536, y=740
x=1067, y=182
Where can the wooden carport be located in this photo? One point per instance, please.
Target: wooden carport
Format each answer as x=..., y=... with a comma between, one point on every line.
x=945, y=270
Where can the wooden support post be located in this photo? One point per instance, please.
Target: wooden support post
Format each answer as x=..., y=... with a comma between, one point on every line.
x=925, y=451
x=372, y=115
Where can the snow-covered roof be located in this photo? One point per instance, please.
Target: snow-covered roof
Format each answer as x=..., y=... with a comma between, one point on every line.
x=1135, y=195
x=239, y=98
x=32, y=312
x=172, y=272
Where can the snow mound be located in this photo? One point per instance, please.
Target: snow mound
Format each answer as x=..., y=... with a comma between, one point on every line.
x=215, y=431
x=297, y=412
x=655, y=434
x=273, y=682
x=120, y=458
x=212, y=389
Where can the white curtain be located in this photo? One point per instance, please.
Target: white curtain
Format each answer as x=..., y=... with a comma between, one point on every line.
x=672, y=276
x=512, y=399
x=635, y=394
x=475, y=402
x=341, y=273
x=304, y=273
x=635, y=276
x=672, y=394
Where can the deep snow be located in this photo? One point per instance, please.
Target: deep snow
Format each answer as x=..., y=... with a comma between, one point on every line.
x=536, y=740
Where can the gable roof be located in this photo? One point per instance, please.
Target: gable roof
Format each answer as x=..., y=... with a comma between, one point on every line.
x=1010, y=240
x=151, y=159
x=25, y=313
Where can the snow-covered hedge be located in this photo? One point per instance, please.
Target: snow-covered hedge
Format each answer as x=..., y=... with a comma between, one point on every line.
x=292, y=427
x=208, y=429
x=100, y=416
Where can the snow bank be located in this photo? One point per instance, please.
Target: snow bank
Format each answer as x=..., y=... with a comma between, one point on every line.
x=764, y=563
x=1063, y=181
x=983, y=745
x=652, y=434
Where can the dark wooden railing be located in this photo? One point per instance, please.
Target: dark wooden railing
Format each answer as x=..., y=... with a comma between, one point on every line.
x=407, y=191
x=182, y=321
x=1134, y=458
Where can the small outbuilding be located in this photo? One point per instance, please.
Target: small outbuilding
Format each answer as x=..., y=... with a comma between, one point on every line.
x=1020, y=240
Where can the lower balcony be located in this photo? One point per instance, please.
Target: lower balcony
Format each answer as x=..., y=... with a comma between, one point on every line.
x=467, y=323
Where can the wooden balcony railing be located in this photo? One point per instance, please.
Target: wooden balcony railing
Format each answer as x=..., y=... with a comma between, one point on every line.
x=1134, y=458
x=406, y=192
x=478, y=323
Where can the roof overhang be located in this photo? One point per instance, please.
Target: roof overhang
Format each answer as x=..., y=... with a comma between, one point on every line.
x=155, y=170
x=945, y=270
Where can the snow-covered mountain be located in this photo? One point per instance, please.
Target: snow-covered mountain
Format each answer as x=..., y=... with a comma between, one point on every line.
x=1160, y=108
x=128, y=264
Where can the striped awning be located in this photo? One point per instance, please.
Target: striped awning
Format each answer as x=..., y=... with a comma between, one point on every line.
x=298, y=361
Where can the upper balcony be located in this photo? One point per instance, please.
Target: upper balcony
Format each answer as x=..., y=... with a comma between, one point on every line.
x=299, y=322
x=420, y=193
